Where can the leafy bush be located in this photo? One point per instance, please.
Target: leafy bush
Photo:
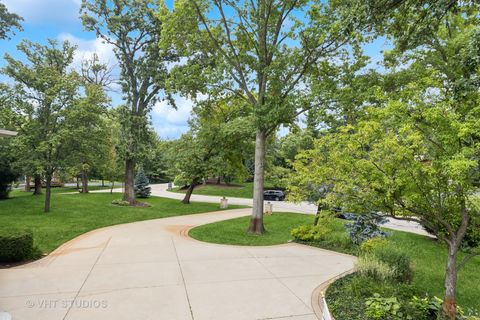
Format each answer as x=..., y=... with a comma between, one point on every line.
x=120, y=202
x=379, y=308
x=15, y=245
x=373, y=244
x=366, y=226
x=370, y=266
x=309, y=232
x=427, y=308
x=329, y=233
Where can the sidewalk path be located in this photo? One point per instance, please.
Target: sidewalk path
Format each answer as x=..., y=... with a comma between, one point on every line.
x=160, y=190
x=152, y=270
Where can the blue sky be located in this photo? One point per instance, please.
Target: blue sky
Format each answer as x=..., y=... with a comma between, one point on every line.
x=58, y=19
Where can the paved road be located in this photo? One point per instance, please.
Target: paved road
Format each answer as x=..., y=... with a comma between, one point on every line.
x=281, y=206
x=152, y=270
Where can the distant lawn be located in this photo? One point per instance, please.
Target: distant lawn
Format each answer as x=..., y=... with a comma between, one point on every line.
x=243, y=190
x=233, y=231
x=73, y=215
x=428, y=256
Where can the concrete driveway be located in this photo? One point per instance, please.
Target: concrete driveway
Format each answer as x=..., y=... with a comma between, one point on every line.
x=152, y=270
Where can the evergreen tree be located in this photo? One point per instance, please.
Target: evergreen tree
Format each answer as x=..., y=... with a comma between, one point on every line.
x=142, y=188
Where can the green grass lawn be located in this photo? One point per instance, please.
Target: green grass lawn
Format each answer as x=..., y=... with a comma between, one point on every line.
x=75, y=214
x=243, y=190
x=278, y=228
x=427, y=255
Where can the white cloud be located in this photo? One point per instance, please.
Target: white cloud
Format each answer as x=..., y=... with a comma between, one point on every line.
x=180, y=116
x=170, y=122
x=86, y=49
x=45, y=11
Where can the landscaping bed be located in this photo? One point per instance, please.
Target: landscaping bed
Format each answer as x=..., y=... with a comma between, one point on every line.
x=400, y=276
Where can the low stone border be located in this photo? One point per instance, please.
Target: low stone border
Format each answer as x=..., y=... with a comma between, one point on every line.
x=319, y=304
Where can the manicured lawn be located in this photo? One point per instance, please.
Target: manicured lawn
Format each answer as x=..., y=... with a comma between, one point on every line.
x=72, y=215
x=244, y=190
x=427, y=255
x=232, y=231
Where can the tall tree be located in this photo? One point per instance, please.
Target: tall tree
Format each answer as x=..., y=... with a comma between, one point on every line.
x=261, y=51
x=190, y=162
x=416, y=155
x=133, y=28
x=46, y=81
x=87, y=140
x=8, y=21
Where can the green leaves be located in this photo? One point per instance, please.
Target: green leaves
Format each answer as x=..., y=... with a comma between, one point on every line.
x=8, y=21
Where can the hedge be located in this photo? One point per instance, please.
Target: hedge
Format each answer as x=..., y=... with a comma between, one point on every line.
x=15, y=245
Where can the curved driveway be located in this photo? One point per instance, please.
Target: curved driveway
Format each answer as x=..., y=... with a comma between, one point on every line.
x=152, y=270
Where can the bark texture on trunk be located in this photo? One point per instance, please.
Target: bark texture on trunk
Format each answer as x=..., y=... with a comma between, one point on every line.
x=84, y=181
x=48, y=193
x=38, y=186
x=188, y=194
x=27, y=183
x=449, y=302
x=256, y=221
x=129, y=193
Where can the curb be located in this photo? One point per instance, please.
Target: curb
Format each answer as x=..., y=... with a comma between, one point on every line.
x=318, y=301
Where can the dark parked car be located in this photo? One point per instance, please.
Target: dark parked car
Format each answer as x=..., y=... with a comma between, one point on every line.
x=276, y=195
x=346, y=216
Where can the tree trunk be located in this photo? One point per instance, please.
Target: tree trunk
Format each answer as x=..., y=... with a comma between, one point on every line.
x=84, y=181
x=256, y=221
x=449, y=302
x=219, y=180
x=48, y=192
x=129, y=193
x=103, y=183
x=27, y=183
x=38, y=185
x=186, y=199
x=317, y=215
x=78, y=183
x=111, y=189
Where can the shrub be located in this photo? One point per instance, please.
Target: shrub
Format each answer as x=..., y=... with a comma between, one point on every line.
x=339, y=240
x=307, y=233
x=366, y=226
x=370, y=266
x=379, y=308
x=142, y=188
x=372, y=244
x=120, y=202
x=15, y=245
x=398, y=261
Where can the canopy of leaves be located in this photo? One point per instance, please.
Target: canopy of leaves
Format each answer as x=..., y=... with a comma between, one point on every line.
x=8, y=21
